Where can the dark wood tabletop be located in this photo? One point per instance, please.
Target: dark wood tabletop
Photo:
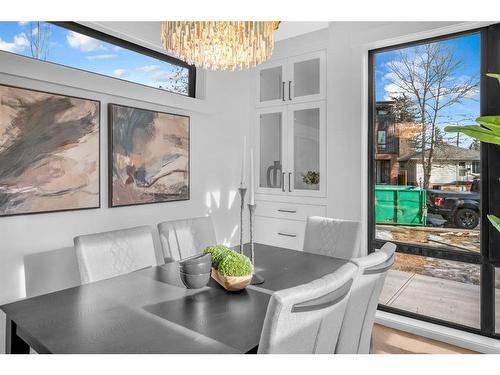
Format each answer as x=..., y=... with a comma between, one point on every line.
x=150, y=311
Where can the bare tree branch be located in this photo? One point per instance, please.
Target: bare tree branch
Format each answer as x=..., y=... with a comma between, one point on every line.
x=427, y=76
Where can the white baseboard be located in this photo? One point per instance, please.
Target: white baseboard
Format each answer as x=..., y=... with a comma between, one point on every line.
x=437, y=332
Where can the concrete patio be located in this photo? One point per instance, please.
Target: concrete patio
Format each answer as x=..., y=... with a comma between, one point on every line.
x=435, y=297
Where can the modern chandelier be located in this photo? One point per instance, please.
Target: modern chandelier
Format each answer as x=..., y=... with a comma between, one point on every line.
x=220, y=45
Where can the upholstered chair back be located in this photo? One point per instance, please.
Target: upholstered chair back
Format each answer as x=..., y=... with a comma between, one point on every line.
x=332, y=237
x=307, y=318
x=356, y=331
x=183, y=238
x=109, y=254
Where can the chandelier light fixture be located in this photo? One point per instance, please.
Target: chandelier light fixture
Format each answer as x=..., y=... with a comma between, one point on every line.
x=220, y=45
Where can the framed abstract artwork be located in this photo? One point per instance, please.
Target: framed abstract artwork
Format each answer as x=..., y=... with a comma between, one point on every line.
x=148, y=156
x=49, y=152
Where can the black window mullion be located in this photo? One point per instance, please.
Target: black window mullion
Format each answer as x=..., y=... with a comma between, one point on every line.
x=490, y=172
x=371, y=153
x=490, y=106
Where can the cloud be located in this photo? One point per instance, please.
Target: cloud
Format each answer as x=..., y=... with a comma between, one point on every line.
x=101, y=57
x=163, y=76
x=149, y=68
x=83, y=42
x=393, y=84
x=18, y=44
x=120, y=72
x=392, y=90
x=22, y=23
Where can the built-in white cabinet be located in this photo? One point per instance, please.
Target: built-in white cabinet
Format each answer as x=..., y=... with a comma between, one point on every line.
x=290, y=148
x=291, y=152
x=293, y=80
x=283, y=223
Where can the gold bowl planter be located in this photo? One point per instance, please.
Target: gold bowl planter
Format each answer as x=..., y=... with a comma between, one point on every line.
x=231, y=283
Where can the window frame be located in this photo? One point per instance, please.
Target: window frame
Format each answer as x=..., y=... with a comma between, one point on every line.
x=107, y=38
x=489, y=62
x=475, y=166
x=382, y=146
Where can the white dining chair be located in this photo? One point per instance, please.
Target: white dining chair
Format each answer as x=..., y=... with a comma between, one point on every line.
x=184, y=238
x=50, y=271
x=356, y=331
x=332, y=237
x=109, y=254
x=307, y=318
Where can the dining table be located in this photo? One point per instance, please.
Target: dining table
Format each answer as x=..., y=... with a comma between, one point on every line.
x=151, y=311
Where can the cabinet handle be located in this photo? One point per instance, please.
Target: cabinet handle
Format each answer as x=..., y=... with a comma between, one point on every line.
x=283, y=182
x=289, y=182
x=283, y=91
x=287, y=211
x=289, y=90
x=287, y=234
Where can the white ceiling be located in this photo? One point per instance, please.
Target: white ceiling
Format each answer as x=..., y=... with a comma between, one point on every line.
x=289, y=29
x=148, y=33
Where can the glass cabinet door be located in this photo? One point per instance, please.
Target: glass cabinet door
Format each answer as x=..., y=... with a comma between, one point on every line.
x=271, y=83
x=306, y=148
x=271, y=151
x=307, y=77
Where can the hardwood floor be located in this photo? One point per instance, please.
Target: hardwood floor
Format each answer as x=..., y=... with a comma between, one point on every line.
x=391, y=341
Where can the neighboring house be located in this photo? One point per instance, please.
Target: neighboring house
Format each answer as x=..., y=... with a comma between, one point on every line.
x=397, y=162
x=387, y=147
x=452, y=168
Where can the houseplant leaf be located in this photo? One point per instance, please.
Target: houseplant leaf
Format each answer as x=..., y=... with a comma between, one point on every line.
x=495, y=221
x=493, y=75
x=477, y=132
x=491, y=122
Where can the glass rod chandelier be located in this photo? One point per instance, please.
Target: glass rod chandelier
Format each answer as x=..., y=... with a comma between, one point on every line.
x=220, y=45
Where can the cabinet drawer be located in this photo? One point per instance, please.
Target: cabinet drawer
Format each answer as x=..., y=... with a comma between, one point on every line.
x=280, y=232
x=290, y=211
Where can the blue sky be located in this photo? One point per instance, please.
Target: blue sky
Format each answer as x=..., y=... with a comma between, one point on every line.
x=467, y=48
x=80, y=51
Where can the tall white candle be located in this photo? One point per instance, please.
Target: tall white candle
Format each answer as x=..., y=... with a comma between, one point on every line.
x=243, y=162
x=252, y=178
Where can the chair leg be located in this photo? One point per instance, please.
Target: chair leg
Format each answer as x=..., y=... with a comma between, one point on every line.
x=371, y=344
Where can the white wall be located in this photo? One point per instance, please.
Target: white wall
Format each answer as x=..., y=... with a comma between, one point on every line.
x=217, y=127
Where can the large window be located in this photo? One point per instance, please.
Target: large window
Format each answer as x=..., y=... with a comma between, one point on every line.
x=425, y=184
x=79, y=47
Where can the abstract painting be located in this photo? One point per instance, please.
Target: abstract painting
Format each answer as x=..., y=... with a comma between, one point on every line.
x=49, y=152
x=148, y=156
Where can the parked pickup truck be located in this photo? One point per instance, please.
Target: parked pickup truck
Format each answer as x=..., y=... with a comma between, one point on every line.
x=461, y=209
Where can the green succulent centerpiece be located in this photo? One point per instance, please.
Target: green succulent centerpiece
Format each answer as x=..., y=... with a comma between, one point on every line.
x=488, y=131
x=218, y=252
x=228, y=262
x=234, y=264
